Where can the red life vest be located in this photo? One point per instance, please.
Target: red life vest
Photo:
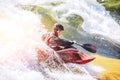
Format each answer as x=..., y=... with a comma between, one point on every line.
x=46, y=37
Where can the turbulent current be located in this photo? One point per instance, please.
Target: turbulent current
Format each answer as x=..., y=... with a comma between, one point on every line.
x=20, y=42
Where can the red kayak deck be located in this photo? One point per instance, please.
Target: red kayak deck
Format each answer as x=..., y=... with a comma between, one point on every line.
x=72, y=55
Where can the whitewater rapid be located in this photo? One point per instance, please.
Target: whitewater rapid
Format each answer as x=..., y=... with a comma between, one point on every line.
x=96, y=19
x=20, y=33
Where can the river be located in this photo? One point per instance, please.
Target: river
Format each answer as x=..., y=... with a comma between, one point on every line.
x=21, y=26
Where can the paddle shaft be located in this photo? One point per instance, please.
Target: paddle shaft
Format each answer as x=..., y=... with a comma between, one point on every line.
x=79, y=44
x=88, y=47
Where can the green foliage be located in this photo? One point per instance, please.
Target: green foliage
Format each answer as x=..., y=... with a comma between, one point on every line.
x=101, y=1
x=111, y=5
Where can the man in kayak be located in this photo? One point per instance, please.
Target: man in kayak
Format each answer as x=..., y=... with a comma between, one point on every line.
x=53, y=40
x=64, y=47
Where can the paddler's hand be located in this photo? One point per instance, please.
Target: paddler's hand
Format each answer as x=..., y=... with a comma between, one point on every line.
x=74, y=42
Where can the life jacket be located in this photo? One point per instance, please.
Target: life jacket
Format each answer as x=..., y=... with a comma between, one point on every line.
x=46, y=37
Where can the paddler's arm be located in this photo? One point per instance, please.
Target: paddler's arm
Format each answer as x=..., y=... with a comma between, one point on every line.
x=63, y=42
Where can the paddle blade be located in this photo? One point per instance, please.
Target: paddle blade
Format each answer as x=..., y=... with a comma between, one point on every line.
x=89, y=47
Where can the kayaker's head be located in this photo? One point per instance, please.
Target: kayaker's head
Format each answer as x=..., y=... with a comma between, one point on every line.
x=58, y=28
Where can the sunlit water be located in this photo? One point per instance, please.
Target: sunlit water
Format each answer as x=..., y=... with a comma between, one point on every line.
x=20, y=33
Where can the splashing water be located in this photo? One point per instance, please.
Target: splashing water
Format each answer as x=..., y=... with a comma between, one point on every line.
x=97, y=22
x=20, y=33
x=96, y=19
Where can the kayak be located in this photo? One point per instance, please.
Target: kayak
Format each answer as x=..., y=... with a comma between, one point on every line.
x=69, y=55
x=72, y=55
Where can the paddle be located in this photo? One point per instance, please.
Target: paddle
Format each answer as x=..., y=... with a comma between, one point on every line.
x=88, y=47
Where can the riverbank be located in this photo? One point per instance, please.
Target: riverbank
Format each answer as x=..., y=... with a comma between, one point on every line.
x=111, y=66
